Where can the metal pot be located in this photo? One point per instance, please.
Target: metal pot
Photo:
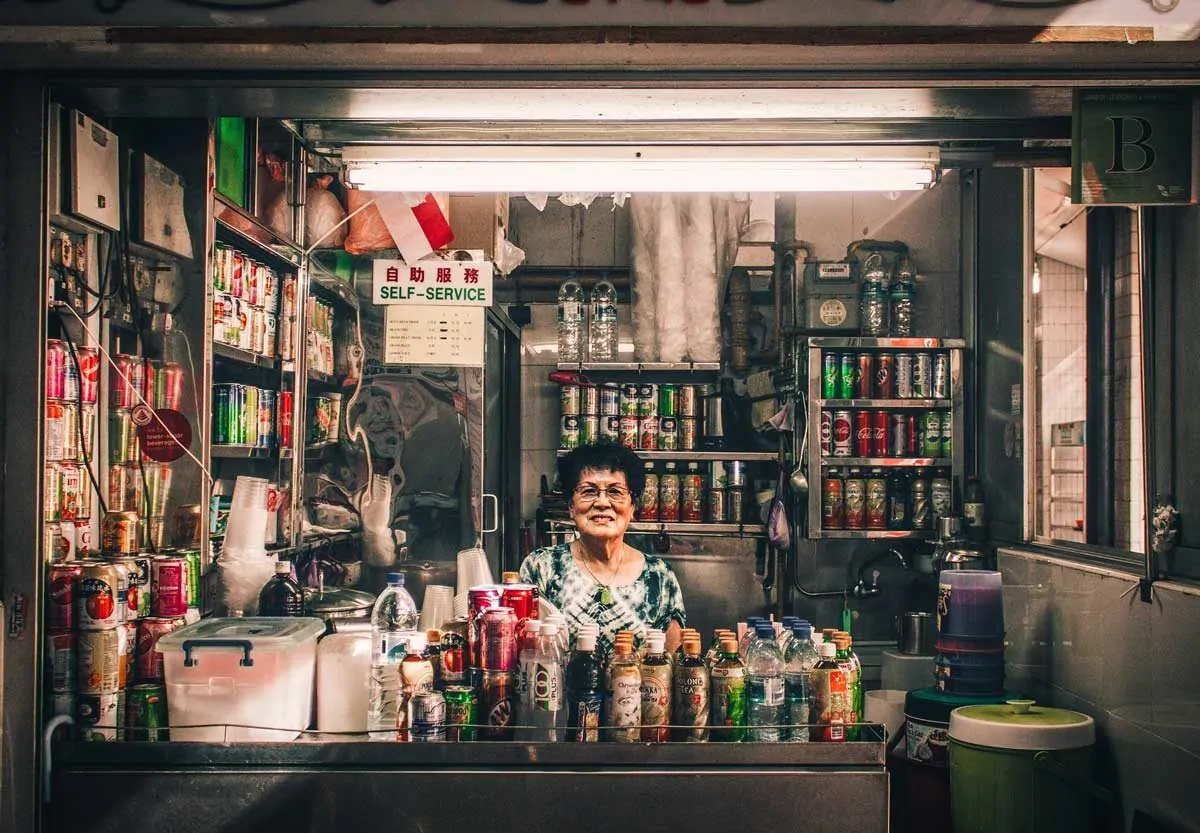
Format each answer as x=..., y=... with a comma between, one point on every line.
x=338, y=604
x=916, y=633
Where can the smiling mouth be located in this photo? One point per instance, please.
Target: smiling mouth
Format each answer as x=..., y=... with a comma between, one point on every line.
x=599, y=518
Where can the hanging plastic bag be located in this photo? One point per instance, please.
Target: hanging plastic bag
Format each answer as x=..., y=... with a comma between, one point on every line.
x=324, y=216
x=779, y=529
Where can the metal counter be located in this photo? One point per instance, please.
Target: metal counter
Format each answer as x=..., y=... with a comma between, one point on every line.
x=307, y=785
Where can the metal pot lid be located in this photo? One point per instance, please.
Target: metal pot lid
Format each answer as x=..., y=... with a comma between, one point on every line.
x=335, y=602
x=1021, y=724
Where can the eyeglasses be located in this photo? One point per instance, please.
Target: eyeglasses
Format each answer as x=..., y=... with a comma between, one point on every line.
x=617, y=495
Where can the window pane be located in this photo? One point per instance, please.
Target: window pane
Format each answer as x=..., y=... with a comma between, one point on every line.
x=1128, y=482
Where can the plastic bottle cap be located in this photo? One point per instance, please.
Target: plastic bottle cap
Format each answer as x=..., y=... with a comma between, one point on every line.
x=510, y=578
x=765, y=631
x=585, y=642
x=395, y=579
x=549, y=629
x=433, y=636
x=691, y=647
x=828, y=650
x=802, y=631
x=728, y=646
x=283, y=567
x=656, y=643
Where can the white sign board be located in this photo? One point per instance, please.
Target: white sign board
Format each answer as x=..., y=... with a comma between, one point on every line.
x=447, y=283
x=433, y=335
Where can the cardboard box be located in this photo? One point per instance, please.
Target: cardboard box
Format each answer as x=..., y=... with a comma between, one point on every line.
x=479, y=221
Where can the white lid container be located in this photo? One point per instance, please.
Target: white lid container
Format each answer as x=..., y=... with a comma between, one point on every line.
x=1021, y=724
x=241, y=679
x=343, y=681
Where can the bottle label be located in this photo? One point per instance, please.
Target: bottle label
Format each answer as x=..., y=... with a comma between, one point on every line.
x=691, y=701
x=656, y=697
x=771, y=690
x=627, y=699
x=547, y=694
x=586, y=719
x=973, y=513
x=729, y=696
x=569, y=312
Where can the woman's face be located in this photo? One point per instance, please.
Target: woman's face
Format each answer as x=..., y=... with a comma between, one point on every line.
x=602, y=505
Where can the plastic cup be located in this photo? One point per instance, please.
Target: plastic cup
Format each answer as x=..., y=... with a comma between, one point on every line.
x=250, y=492
x=437, y=607
x=473, y=570
x=460, y=606
x=886, y=706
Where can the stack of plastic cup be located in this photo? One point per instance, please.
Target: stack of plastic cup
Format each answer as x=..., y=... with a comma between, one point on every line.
x=473, y=571
x=437, y=607
x=970, y=642
x=244, y=564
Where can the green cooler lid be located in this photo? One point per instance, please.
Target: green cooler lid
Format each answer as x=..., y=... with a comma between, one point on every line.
x=929, y=704
x=1020, y=724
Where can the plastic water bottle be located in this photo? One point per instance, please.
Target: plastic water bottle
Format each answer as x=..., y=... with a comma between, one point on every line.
x=764, y=686
x=393, y=618
x=523, y=702
x=547, y=684
x=798, y=661
x=602, y=328
x=570, y=321
x=752, y=623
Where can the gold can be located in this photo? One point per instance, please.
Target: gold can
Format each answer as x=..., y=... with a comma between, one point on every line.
x=186, y=525
x=99, y=665
x=119, y=533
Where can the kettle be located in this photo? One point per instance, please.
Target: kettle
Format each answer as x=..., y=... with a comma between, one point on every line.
x=954, y=552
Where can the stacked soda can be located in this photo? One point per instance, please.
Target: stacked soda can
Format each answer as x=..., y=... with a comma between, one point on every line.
x=324, y=418
x=496, y=616
x=885, y=375
x=246, y=302
x=318, y=332
x=245, y=415
x=642, y=416
x=884, y=433
x=72, y=375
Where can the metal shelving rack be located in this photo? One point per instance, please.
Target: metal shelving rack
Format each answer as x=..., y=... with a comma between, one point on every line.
x=817, y=404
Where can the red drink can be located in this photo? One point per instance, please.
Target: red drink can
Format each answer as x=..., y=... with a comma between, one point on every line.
x=863, y=432
x=89, y=374
x=169, y=586
x=523, y=599
x=902, y=430
x=498, y=632
x=497, y=691
x=479, y=599
x=127, y=381
x=842, y=432
x=283, y=416
x=881, y=429
x=826, y=433
x=864, y=378
x=149, y=661
x=62, y=596
x=56, y=368
x=885, y=376
x=172, y=386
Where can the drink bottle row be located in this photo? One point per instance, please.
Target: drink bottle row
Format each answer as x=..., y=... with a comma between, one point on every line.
x=524, y=680
x=718, y=495
x=898, y=500
x=887, y=375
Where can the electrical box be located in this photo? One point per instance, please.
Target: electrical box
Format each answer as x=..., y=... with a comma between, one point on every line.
x=95, y=172
x=831, y=296
x=162, y=221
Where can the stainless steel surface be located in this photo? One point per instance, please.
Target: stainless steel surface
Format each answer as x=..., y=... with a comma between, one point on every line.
x=340, y=603
x=642, y=367
x=540, y=799
x=920, y=342
x=948, y=527
x=916, y=633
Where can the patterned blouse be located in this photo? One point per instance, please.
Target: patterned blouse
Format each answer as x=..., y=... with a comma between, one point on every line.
x=653, y=600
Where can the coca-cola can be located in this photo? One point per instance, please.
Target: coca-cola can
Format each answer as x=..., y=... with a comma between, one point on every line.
x=479, y=599
x=885, y=376
x=82, y=532
x=902, y=429
x=881, y=429
x=863, y=431
x=826, y=433
x=842, y=433
x=149, y=660
x=904, y=376
x=864, y=377
x=522, y=598
x=89, y=374
x=61, y=613
x=498, y=632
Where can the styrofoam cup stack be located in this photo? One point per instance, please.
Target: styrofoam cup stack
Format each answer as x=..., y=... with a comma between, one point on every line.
x=247, y=527
x=473, y=570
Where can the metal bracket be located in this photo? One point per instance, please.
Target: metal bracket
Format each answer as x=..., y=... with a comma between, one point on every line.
x=1146, y=590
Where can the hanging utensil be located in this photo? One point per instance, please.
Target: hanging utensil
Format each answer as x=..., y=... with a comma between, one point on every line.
x=798, y=482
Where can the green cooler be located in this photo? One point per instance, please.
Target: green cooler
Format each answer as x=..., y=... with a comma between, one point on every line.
x=1020, y=768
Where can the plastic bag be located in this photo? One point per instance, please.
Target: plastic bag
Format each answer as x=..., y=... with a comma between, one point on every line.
x=272, y=194
x=368, y=233
x=779, y=529
x=324, y=217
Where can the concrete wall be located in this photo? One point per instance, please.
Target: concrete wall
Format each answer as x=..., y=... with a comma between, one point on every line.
x=1078, y=638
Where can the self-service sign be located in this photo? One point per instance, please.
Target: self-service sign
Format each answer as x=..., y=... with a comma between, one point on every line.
x=444, y=283
x=1133, y=147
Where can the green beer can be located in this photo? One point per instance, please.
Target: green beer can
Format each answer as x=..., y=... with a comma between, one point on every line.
x=462, y=710
x=146, y=712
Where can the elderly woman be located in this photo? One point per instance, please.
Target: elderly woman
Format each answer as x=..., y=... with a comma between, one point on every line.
x=598, y=577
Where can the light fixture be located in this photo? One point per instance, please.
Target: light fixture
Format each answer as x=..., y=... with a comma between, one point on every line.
x=644, y=168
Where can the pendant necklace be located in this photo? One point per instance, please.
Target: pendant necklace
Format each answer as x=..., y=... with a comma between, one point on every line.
x=604, y=595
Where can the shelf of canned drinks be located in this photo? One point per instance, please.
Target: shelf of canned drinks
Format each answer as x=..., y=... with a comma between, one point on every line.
x=641, y=367
x=237, y=354
x=916, y=343
x=887, y=462
x=889, y=404
x=700, y=456
x=680, y=528
x=242, y=452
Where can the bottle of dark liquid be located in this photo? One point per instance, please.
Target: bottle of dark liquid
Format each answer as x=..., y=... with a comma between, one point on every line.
x=897, y=501
x=584, y=694
x=973, y=513
x=281, y=596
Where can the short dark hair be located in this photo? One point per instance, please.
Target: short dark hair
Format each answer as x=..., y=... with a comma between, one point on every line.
x=602, y=456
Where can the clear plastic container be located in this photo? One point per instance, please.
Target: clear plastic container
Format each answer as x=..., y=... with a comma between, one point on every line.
x=245, y=679
x=970, y=604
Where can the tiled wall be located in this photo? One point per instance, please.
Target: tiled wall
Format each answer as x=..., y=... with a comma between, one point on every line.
x=1079, y=638
x=1060, y=339
x=1128, y=485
